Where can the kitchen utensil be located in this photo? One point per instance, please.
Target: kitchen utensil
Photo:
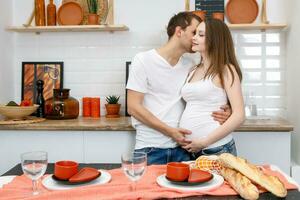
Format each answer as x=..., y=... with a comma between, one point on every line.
x=214, y=183
x=65, y=169
x=52, y=184
x=70, y=13
x=264, y=18
x=134, y=166
x=17, y=112
x=34, y=165
x=177, y=171
x=30, y=19
x=241, y=11
x=102, y=10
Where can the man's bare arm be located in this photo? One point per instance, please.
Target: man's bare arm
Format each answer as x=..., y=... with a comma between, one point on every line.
x=138, y=111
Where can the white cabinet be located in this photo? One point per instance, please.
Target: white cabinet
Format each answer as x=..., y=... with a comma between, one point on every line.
x=107, y=146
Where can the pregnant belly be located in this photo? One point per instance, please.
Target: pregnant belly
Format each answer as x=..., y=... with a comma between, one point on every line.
x=201, y=126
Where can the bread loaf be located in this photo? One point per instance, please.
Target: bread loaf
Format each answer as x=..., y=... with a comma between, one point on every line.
x=270, y=183
x=240, y=183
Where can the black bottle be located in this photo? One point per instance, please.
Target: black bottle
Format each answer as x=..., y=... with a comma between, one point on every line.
x=40, y=112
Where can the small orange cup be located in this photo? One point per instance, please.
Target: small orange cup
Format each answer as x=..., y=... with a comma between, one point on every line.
x=65, y=169
x=177, y=171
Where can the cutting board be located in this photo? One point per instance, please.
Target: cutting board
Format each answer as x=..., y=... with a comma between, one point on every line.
x=26, y=120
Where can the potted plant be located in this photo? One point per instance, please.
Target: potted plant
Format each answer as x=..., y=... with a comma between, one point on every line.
x=112, y=106
x=93, y=17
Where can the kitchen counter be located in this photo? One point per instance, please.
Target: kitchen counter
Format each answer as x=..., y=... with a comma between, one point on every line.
x=124, y=124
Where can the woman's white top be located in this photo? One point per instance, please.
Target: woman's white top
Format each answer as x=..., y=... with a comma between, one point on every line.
x=202, y=98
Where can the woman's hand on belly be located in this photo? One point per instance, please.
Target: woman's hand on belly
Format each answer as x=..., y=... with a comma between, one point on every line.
x=196, y=145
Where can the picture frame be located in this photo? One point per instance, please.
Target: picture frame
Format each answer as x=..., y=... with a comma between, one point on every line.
x=128, y=63
x=50, y=72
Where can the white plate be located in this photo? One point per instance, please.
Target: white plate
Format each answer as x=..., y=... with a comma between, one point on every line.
x=51, y=184
x=214, y=183
x=5, y=179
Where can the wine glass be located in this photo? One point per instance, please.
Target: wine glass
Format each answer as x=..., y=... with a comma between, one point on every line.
x=134, y=166
x=34, y=165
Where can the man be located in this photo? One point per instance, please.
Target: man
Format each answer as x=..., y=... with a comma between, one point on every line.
x=154, y=99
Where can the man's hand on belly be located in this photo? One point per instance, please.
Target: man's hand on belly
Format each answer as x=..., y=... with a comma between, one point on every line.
x=223, y=114
x=178, y=134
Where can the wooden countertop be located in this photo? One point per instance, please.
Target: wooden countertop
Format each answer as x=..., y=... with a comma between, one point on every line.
x=124, y=124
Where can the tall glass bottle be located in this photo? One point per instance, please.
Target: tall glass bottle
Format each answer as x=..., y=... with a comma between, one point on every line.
x=51, y=14
x=40, y=112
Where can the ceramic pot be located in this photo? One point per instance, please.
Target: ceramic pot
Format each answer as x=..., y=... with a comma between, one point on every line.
x=200, y=13
x=112, y=110
x=93, y=19
x=218, y=15
x=61, y=106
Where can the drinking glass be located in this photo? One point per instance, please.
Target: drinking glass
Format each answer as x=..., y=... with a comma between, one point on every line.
x=134, y=166
x=34, y=165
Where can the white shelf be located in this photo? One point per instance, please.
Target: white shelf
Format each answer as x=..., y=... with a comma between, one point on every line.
x=79, y=28
x=256, y=26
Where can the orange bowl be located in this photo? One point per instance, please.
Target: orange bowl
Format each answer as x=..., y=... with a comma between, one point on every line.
x=65, y=169
x=177, y=171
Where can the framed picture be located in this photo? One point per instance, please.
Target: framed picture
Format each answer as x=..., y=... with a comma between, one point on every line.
x=210, y=6
x=50, y=72
x=127, y=75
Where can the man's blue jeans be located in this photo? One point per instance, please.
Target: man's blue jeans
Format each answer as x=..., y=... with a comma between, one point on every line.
x=163, y=156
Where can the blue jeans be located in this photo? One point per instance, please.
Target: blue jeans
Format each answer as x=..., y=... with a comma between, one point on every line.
x=226, y=148
x=163, y=156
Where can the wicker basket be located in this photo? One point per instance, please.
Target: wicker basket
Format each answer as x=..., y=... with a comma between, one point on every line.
x=102, y=11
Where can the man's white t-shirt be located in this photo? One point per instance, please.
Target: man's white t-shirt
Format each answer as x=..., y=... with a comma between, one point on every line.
x=161, y=84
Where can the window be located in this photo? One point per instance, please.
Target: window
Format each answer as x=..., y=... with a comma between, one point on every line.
x=262, y=61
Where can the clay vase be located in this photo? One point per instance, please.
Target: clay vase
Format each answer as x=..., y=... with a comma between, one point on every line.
x=218, y=15
x=112, y=110
x=93, y=19
x=200, y=13
x=51, y=14
x=40, y=13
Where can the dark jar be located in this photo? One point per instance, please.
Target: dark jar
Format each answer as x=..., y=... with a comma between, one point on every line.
x=61, y=105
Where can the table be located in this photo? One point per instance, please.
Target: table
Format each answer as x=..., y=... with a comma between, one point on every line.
x=292, y=194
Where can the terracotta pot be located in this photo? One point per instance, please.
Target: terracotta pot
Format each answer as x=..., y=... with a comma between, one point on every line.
x=112, y=110
x=218, y=15
x=65, y=169
x=93, y=19
x=200, y=13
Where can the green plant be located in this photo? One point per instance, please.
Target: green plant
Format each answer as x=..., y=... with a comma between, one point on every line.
x=113, y=99
x=93, y=6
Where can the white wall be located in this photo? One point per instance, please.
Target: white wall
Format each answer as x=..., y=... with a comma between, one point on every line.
x=293, y=63
x=6, y=53
x=95, y=62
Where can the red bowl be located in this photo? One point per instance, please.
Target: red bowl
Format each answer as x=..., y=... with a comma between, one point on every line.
x=177, y=171
x=65, y=169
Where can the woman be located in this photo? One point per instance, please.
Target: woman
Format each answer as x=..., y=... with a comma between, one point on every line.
x=214, y=82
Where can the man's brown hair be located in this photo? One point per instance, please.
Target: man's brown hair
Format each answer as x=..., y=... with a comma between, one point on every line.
x=183, y=20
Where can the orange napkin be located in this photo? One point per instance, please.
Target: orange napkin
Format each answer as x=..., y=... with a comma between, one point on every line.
x=118, y=188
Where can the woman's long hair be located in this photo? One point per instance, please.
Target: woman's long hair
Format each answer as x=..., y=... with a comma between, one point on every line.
x=220, y=50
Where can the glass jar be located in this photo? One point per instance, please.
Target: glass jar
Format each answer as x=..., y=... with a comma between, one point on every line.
x=61, y=105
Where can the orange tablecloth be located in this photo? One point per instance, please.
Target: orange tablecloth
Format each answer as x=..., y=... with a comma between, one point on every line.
x=118, y=188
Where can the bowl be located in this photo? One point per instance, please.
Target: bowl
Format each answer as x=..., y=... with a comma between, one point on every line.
x=65, y=169
x=17, y=112
x=177, y=171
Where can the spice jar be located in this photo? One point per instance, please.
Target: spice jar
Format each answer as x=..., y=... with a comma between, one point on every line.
x=61, y=105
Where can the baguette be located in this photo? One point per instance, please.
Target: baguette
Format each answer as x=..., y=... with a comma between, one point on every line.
x=240, y=183
x=270, y=183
